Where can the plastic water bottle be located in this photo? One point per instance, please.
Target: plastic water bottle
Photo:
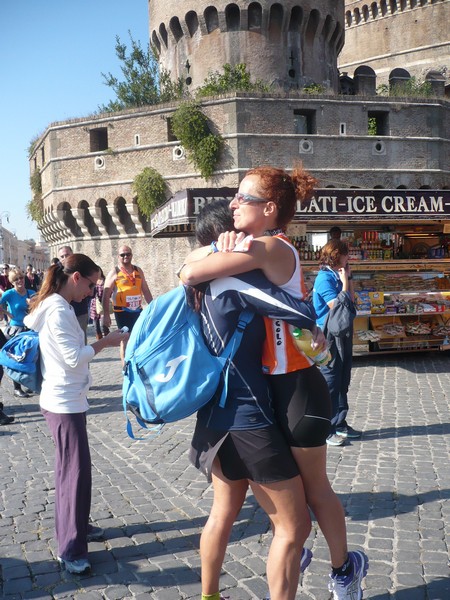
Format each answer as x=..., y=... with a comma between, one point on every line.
x=303, y=339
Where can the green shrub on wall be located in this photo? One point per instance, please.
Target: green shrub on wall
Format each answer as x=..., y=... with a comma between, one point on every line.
x=150, y=189
x=35, y=206
x=190, y=126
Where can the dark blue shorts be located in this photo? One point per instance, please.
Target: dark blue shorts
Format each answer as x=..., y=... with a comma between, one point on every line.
x=126, y=319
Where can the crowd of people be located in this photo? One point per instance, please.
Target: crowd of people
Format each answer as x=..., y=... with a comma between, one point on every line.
x=281, y=410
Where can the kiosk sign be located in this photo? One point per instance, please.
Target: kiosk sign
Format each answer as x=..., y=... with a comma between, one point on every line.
x=375, y=204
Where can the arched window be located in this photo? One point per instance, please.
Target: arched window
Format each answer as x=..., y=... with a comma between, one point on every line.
x=275, y=19
x=348, y=18
x=357, y=16
x=295, y=22
x=365, y=12
x=233, y=17
x=191, y=19
x=393, y=4
x=384, y=9
x=156, y=43
x=211, y=18
x=163, y=34
x=175, y=28
x=313, y=23
x=327, y=27
x=254, y=16
x=374, y=7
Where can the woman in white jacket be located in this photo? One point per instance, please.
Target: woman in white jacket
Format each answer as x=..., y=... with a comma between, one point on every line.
x=66, y=379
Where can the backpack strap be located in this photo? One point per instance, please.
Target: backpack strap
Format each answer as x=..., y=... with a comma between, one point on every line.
x=231, y=348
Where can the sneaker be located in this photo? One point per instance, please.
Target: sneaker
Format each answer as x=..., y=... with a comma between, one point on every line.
x=79, y=565
x=304, y=563
x=348, y=432
x=95, y=533
x=349, y=587
x=20, y=394
x=4, y=419
x=335, y=440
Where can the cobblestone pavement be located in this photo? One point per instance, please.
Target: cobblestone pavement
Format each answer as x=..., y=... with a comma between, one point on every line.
x=394, y=484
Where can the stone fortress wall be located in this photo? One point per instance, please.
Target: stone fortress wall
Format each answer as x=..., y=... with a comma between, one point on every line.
x=388, y=34
x=290, y=44
x=88, y=195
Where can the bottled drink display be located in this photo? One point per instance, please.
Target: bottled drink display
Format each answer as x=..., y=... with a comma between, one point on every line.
x=303, y=339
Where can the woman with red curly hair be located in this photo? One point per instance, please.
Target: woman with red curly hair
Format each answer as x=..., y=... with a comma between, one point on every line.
x=264, y=205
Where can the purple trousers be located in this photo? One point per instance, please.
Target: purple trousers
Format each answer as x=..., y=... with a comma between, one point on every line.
x=73, y=482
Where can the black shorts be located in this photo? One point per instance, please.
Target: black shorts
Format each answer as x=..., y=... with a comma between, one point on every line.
x=126, y=319
x=260, y=455
x=302, y=405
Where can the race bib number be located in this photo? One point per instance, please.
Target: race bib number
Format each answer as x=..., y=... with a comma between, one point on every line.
x=133, y=302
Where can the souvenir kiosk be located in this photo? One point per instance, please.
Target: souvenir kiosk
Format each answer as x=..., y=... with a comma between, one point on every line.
x=399, y=243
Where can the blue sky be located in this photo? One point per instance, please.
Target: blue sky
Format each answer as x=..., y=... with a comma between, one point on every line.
x=52, y=55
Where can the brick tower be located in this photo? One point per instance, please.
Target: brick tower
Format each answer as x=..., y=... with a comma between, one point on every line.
x=291, y=43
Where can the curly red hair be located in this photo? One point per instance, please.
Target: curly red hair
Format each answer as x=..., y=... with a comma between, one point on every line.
x=284, y=189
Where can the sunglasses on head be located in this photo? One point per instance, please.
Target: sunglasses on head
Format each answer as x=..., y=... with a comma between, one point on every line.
x=246, y=198
x=124, y=254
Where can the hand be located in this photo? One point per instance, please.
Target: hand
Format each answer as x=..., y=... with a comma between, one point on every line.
x=319, y=341
x=115, y=338
x=343, y=274
x=228, y=240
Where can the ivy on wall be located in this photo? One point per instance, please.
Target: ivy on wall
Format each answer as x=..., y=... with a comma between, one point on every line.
x=35, y=206
x=150, y=188
x=191, y=128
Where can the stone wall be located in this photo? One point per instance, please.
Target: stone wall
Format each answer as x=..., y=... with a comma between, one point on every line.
x=94, y=210
x=290, y=44
x=411, y=34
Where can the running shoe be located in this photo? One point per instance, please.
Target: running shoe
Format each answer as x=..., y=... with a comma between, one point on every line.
x=79, y=565
x=336, y=440
x=348, y=432
x=349, y=587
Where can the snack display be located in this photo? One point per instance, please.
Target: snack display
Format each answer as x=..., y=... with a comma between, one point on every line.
x=417, y=328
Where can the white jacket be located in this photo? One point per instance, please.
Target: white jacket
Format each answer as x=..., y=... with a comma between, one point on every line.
x=64, y=356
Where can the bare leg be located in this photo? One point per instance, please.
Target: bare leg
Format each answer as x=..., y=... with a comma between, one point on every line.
x=229, y=497
x=323, y=501
x=285, y=504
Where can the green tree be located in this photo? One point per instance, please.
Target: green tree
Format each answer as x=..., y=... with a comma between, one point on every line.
x=142, y=82
x=233, y=79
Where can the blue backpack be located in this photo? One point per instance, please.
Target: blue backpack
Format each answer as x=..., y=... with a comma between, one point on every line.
x=169, y=372
x=20, y=358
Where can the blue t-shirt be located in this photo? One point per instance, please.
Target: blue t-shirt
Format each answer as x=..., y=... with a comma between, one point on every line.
x=17, y=305
x=327, y=287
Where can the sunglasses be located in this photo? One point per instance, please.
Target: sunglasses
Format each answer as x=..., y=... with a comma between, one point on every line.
x=92, y=284
x=18, y=279
x=247, y=198
x=125, y=254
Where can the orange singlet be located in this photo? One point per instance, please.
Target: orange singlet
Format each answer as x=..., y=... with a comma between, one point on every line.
x=280, y=355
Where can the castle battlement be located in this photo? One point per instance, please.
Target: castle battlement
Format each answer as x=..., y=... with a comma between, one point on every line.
x=289, y=44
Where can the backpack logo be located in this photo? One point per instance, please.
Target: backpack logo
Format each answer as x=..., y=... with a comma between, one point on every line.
x=173, y=366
